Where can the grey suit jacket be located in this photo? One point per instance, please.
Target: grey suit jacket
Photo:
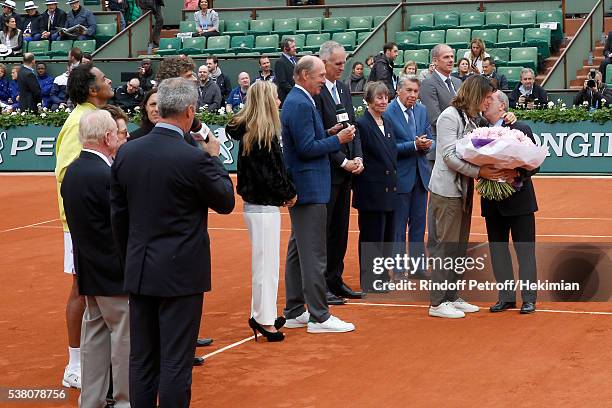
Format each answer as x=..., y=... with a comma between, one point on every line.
x=452, y=176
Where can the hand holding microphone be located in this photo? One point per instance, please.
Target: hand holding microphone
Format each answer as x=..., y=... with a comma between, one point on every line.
x=202, y=134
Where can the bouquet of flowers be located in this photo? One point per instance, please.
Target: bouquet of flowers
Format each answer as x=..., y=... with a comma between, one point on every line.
x=504, y=148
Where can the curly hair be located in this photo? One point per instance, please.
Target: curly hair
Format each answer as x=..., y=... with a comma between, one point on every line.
x=79, y=81
x=172, y=67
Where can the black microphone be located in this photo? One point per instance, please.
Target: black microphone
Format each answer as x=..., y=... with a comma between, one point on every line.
x=196, y=130
x=342, y=116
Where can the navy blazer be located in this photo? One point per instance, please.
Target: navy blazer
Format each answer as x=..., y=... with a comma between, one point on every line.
x=306, y=148
x=408, y=157
x=161, y=190
x=375, y=188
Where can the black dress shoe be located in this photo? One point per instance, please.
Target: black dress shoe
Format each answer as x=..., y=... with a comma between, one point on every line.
x=334, y=300
x=501, y=306
x=344, y=291
x=528, y=307
x=204, y=342
x=198, y=361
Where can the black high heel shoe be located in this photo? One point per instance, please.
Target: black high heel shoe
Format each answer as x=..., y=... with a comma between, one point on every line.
x=279, y=322
x=270, y=336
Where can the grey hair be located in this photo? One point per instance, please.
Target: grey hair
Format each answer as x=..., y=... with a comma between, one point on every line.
x=305, y=64
x=503, y=98
x=527, y=70
x=328, y=48
x=174, y=95
x=435, y=52
x=94, y=125
x=407, y=78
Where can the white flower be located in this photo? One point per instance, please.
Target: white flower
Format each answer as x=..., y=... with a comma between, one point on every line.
x=137, y=108
x=13, y=113
x=563, y=105
x=201, y=108
x=43, y=115
x=45, y=109
x=562, y=108
x=221, y=111
x=603, y=101
x=551, y=104
x=23, y=113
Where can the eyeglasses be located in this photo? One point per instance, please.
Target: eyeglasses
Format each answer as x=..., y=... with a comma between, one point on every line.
x=122, y=132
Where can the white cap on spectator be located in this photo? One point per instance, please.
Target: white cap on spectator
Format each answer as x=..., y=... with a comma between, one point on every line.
x=9, y=4
x=29, y=5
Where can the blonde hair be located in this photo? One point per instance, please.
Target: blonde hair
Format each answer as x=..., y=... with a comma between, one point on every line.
x=482, y=49
x=471, y=94
x=410, y=64
x=259, y=117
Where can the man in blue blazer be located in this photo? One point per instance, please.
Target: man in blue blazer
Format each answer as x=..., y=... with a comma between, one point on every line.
x=413, y=138
x=306, y=148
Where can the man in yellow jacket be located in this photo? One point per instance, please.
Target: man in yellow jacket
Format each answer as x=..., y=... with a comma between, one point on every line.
x=88, y=89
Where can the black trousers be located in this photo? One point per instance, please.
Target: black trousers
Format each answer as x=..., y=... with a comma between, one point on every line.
x=163, y=333
x=522, y=229
x=155, y=7
x=376, y=235
x=338, y=216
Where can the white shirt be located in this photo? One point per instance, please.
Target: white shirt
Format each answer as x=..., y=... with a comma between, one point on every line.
x=330, y=87
x=97, y=153
x=444, y=78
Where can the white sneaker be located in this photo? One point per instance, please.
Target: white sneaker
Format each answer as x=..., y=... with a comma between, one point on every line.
x=300, y=321
x=72, y=378
x=331, y=325
x=447, y=310
x=464, y=306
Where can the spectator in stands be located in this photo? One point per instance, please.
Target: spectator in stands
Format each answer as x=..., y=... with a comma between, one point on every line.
x=132, y=12
x=79, y=16
x=426, y=73
x=29, y=88
x=86, y=58
x=46, y=83
x=382, y=70
x=265, y=73
x=51, y=21
x=528, y=94
x=4, y=87
x=173, y=67
x=190, y=4
x=150, y=115
x=489, y=71
x=283, y=68
x=607, y=53
x=237, y=98
x=218, y=77
x=476, y=54
x=8, y=10
x=207, y=21
x=370, y=61
x=59, y=94
x=209, y=92
x=30, y=25
x=11, y=36
x=121, y=119
x=410, y=68
x=146, y=75
x=121, y=7
x=463, y=69
x=592, y=93
x=155, y=7
x=129, y=96
x=75, y=56
x=13, y=100
x=356, y=81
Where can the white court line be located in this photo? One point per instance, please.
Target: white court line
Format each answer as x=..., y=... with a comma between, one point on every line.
x=31, y=225
x=427, y=306
x=228, y=347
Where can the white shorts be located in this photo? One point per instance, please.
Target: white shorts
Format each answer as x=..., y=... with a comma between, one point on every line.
x=68, y=255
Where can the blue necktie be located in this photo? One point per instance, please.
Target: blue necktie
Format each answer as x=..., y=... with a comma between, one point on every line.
x=335, y=94
x=411, y=122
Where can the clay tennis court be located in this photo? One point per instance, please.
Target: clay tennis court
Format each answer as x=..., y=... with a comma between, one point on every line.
x=397, y=357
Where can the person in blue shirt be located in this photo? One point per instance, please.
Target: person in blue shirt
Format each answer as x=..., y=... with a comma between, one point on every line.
x=237, y=98
x=4, y=87
x=46, y=83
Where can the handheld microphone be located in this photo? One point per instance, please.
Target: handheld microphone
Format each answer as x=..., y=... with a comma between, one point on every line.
x=199, y=131
x=342, y=116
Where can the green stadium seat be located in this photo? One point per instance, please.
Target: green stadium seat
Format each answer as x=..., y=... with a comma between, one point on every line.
x=458, y=37
x=314, y=41
x=347, y=39
x=609, y=75
x=167, y=46
x=285, y=26
x=500, y=55
x=105, y=32
x=421, y=22
x=524, y=19
x=421, y=57
x=497, y=19
x=360, y=24
x=60, y=48
x=188, y=26
x=90, y=45
x=334, y=24
x=362, y=36
x=236, y=27
x=489, y=36
x=407, y=40
x=300, y=40
x=429, y=39
x=509, y=37
x=309, y=25
x=242, y=43
x=399, y=60
x=378, y=20
x=512, y=74
x=447, y=19
x=261, y=27
x=193, y=45
x=473, y=20
x=221, y=26
x=218, y=45
x=38, y=48
x=460, y=53
x=539, y=37
x=525, y=57
x=552, y=16
x=266, y=43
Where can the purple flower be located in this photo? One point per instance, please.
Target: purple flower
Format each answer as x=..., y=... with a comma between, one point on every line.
x=478, y=143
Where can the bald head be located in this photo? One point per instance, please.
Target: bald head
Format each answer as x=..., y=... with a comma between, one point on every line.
x=443, y=58
x=309, y=73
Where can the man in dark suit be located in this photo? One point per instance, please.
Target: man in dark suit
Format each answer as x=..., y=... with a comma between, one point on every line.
x=528, y=94
x=514, y=215
x=105, y=332
x=408, y=118
x=284, y=68
x=607, y=53
x=51, y=21
x=345, y=162
x=166, y=249
x=306, y=148
x=155, y=6
x=29, y=88
x=489, y=71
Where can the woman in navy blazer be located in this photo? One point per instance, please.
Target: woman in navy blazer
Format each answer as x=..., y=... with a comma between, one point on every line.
x=374, y=190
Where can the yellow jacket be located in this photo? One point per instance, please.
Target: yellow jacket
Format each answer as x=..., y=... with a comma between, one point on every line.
x=67, y=149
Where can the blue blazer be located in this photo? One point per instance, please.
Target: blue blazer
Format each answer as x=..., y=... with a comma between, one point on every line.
x=408, y=157
x=306, y=148
x=375, y=188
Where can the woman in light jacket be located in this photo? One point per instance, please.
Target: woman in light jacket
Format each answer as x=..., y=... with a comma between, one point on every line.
x=11, y=36
x=207, y=21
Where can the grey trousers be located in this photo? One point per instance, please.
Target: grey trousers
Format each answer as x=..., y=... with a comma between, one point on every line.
x=105, y=341
x=449, y=239
x=307, y=262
